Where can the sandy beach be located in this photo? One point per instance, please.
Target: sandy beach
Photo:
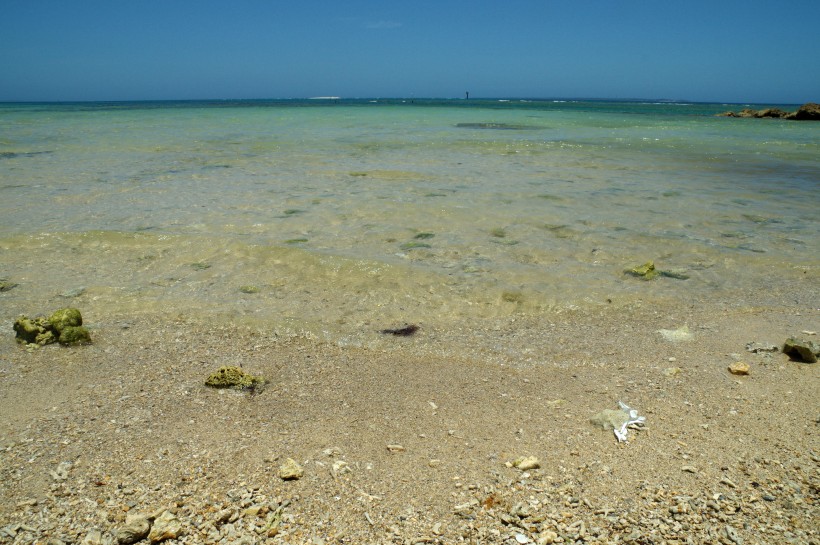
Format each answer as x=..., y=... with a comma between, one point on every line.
x=401, y=445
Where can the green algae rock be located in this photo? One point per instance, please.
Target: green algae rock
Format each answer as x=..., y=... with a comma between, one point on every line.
x=646, y=271
x=33, y=331
x=65, y=317
x=65, y=326
x=249, y=289
x=74, y=334
x=234, y=377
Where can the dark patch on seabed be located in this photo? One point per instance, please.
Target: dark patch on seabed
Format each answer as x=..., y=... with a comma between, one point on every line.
x=14, y=154
x=497, y=126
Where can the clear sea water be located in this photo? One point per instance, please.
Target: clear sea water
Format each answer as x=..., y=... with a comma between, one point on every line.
x=340, y=217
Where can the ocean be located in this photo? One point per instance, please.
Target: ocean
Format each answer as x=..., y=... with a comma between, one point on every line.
x=337, y=218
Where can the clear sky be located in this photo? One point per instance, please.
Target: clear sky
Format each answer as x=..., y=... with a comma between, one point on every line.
x=705, y=50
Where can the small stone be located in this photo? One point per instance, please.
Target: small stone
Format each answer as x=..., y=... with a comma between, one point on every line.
x=465, y=508
x=689, y=469
x=166, y=526
x=290, y=470
x=739, y=368
x=223, y=516
x=396, y=448
x=93, y=537
x=255, y=511
x=339, y=467
x=135, y=529
x=672, y=371
x=547, y=537
x=760, y=347
x=526, y=463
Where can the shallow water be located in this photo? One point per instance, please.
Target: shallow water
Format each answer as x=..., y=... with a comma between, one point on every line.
x=334, y=217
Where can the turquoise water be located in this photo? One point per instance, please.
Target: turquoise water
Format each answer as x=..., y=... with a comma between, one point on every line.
x=334, y=216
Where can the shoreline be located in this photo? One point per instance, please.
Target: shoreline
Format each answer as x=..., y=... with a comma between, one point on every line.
x=125, y=425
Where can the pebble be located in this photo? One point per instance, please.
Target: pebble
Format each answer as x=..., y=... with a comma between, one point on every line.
x=526, y=463
x=739, y=368
x=290, y=470
x=93, y=537
x=166, y=526
x=135, y=529
x=396, y=448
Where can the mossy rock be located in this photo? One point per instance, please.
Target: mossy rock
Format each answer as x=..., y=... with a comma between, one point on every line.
x=65, y=317
x=64, y=325
x=33, y=331
x=249, y=289
x=234, y=377
x=74, y=335
x=646, y=271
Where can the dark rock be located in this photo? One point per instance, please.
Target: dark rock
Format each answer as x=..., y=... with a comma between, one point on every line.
x=7, y=285
x=801, y=350
x=771, y=112
x=808, y=111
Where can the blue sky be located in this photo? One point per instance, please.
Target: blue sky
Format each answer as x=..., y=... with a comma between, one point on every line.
x=715, y=50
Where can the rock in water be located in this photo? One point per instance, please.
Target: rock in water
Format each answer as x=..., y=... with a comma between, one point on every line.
x=800, y=350
x=646, y=271
x=166, y=526
x=808, y=111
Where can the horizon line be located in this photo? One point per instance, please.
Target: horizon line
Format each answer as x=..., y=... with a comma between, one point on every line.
x=402, y=98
